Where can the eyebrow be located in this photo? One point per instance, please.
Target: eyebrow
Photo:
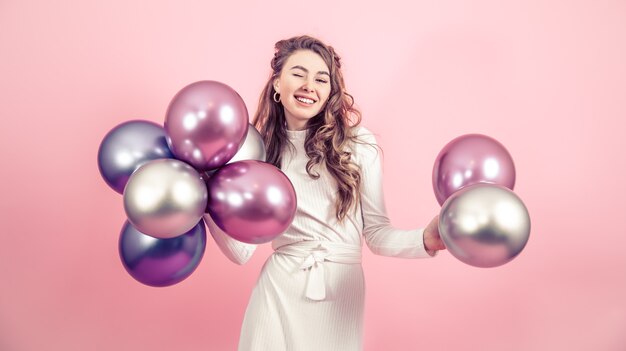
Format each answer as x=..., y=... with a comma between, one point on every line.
x=307, y=71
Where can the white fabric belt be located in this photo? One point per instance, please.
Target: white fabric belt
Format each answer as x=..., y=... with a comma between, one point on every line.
x=314, y=253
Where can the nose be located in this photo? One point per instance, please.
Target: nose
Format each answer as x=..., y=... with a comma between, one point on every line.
x=308, y=86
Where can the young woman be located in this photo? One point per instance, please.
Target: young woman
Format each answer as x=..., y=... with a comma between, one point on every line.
x=310, y=294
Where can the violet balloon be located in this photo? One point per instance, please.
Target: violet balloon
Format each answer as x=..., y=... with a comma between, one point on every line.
x=206, y=122
x=252, y=201
x=484, y=225
x=161, y=262
x=128, y=146
x=471, y=159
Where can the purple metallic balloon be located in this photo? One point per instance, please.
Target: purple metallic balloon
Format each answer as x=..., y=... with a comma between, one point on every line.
x=471, y=159
x=161, y=262
x=128, y=146
x=206, y=123
x=252, y=201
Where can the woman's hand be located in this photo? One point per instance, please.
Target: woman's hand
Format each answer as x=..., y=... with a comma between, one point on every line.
x=432, y=240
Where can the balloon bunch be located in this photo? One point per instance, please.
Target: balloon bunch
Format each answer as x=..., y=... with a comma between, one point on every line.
x=206, y=161
x=482, y=222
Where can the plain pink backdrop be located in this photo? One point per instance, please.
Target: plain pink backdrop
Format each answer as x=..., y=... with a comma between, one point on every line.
x=545, y=78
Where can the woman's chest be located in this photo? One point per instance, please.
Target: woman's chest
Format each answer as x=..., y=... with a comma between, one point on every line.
x=310, y=191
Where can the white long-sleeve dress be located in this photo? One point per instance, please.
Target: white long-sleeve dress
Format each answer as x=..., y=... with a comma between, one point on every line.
x=310, y=293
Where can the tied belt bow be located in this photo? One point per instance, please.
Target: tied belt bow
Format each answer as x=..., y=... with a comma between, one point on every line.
x=314, y=253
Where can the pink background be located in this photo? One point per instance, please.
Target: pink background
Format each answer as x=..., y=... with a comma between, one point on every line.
x=545, y=78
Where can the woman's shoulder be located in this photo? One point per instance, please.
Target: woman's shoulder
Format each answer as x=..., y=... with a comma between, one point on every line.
x=364, y=135
x=365, y=146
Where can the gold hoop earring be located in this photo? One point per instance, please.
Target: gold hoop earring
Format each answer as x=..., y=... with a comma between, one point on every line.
x=276, y=99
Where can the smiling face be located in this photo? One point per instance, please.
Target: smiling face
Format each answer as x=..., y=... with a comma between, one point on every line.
x=304, y=87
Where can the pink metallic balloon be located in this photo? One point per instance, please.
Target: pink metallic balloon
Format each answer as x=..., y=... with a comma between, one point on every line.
x=484, y=225
x=206, y=123
x=471, y=159
x=252, y=201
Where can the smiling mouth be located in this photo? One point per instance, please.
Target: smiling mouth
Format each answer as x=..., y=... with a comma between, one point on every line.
x=305, y=100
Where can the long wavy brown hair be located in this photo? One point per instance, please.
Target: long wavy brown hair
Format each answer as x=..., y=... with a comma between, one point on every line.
x=329, y=133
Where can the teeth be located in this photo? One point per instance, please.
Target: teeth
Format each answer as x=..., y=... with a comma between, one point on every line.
x=305, y=100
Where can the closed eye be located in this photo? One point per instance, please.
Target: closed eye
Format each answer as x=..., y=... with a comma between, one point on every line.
x=322, y=81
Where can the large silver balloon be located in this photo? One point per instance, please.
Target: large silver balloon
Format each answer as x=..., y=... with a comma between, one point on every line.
x=165, y=198
x=253, y=148
x=484, y=225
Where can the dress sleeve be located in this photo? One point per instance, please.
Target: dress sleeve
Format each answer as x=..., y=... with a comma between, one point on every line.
x=380, y=236
x=235, y=250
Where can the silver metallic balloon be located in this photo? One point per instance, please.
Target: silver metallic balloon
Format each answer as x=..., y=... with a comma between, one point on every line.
x=165, y=198
x=484, y=225
x=253, y=148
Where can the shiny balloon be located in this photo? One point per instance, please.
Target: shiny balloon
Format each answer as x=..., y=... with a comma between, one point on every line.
x=205, y=176
x=252, y=201
x=471, y=159
x=253, y=147
x=128, y=146
x=165, y=198
x=484, y=225
x=206, y=122
x=161, y=262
